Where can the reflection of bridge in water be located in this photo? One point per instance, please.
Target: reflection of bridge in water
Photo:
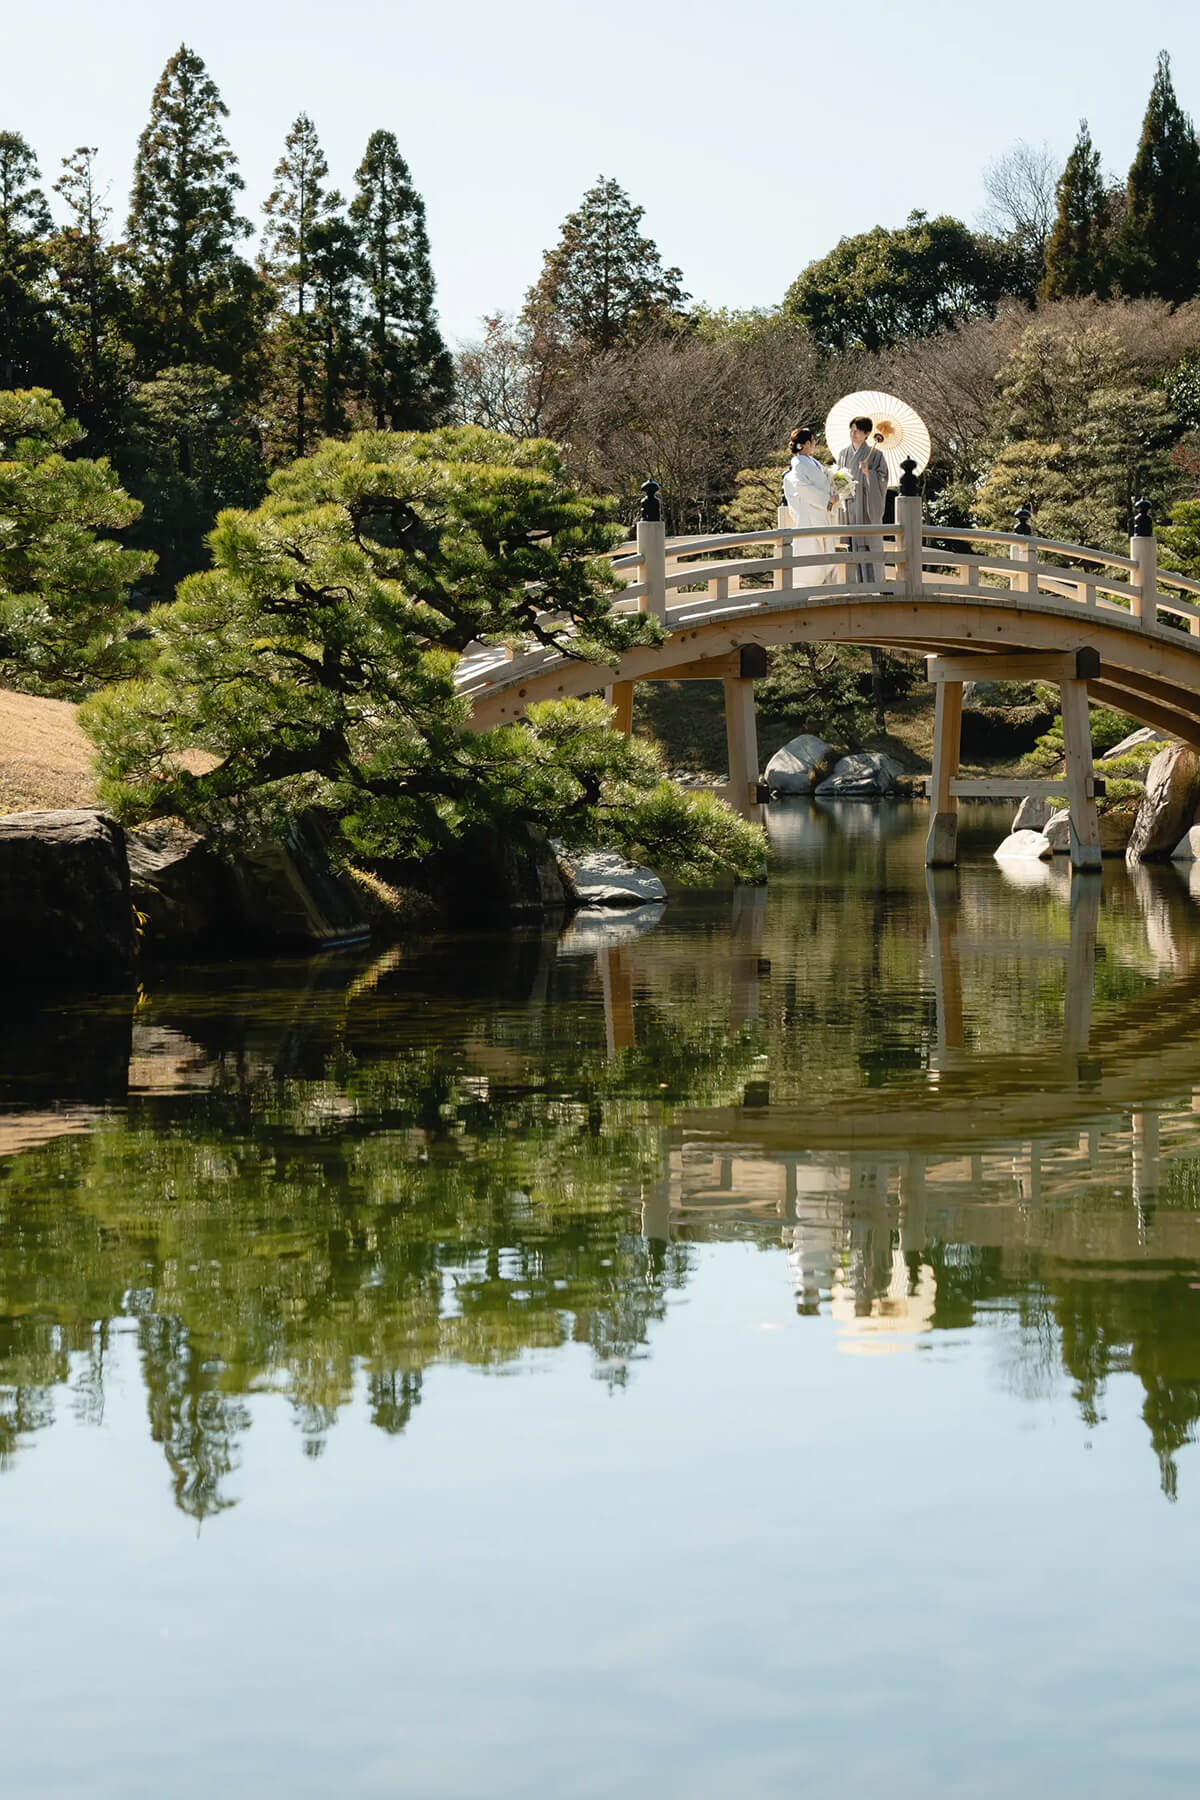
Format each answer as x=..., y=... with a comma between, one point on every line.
x=980, y=1152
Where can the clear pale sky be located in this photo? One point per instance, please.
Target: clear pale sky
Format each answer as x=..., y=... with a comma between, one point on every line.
x=754, y=134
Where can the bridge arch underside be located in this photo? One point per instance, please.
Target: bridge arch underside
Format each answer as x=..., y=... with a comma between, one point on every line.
x=1142, y=673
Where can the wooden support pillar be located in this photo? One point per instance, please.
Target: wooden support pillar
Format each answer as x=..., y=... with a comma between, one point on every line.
x=942, y=891
x=941, y=846
x=1081, y=964
x=620, y=698
x=1081, y=796
x=652, y=548
x=741, y=737
x=616, y=984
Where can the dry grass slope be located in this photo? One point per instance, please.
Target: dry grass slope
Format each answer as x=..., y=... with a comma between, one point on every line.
x=45, y=760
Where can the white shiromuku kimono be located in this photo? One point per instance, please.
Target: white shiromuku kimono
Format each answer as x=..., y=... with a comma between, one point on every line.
x=806, y=489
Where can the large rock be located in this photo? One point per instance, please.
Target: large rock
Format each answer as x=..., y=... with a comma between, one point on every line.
x=867, y=775
x=1024, y=846
x=1033, y=813
x=187, y=897
x=602, y=878
x=290, y=894
x=1115, y=829
x=1188, y=847
x=65, y=908
x=1145, y=734
x=798, y=766
x=1169, y=804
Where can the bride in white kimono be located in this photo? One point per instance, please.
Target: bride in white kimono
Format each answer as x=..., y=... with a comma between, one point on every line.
x=808, y=491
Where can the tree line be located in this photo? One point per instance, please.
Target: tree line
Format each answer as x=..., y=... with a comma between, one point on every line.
x=195, y=369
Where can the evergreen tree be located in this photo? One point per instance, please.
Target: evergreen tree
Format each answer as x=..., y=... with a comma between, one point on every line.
x=1160, y=237
x=64, y=580
x=198, y=302
x=1079, y=250
x=91, y=299
x=336, y=300
x=296, y=207
x=409, y=375
x=28, y=340
x=604, y=283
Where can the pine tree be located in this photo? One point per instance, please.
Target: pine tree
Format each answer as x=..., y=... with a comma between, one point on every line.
x=1160, y=237
x=604, y=283
x=295, y=209
x=198, y=302
x=28, y=341
x=91, y=299
x=1079, y=249
x=409, y=375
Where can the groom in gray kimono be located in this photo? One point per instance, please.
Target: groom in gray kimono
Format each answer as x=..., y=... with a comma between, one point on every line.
x=865, y=506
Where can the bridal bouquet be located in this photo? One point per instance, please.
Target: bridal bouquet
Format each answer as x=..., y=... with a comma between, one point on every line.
x=842, y=485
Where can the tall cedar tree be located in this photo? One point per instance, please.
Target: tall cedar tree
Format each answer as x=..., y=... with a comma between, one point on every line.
x=1079, y=248
x=1160, y=238
x=603, y=283
x=91, y=300
x=27, y=334
x=337, y=309
x=295, y=209
x=198, y=302
x=409, y=375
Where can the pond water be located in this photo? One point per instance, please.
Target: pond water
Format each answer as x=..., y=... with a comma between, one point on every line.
x=751, y=1347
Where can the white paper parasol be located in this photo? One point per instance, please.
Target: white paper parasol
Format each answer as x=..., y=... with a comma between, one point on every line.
x=896, y=429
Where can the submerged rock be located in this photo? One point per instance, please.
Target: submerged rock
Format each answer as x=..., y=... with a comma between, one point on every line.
x=867, y=775
x=65, y=908
x=602, y=878
x=796, y=768
x=1023, y=846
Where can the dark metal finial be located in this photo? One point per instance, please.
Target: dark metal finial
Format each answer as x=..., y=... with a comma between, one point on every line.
x=1143, y=519
x=908, y=479
x=651, y=510
x=1024, y=516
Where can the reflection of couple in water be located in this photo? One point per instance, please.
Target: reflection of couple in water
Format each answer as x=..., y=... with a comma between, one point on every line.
x=809, y=490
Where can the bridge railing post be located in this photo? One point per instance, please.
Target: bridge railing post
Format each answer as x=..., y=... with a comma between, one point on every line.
x=652, y=548
x=910, y=526
x=1024, y=552
x=785, y=577
x=1143, y=548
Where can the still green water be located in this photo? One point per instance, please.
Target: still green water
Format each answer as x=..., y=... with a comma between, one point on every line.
x=748, y=1348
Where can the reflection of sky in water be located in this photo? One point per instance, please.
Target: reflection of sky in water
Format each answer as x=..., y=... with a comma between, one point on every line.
x=847, y=1238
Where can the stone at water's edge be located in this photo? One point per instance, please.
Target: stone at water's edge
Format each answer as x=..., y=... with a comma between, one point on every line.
x=796, y=768
x=1188, y=847
x=602, y=878
x=1033, y=813
x=1023, y=845
x=187, y=897
x=65, y=907
x=867, y=775
x=1169, y=805
x=1115, y=829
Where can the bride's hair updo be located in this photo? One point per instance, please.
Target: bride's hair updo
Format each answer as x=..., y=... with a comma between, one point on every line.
x=801, y=436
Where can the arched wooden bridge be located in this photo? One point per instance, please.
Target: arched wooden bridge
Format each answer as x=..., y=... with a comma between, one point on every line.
x=981, y=604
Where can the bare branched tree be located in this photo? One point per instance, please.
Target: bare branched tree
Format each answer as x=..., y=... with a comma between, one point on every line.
x=1021, y=204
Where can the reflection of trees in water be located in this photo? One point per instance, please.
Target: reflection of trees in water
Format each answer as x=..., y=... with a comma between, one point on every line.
x=359, y=1218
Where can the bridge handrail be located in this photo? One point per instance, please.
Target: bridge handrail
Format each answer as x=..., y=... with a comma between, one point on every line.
x=1183, y=582
x=976, y=534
